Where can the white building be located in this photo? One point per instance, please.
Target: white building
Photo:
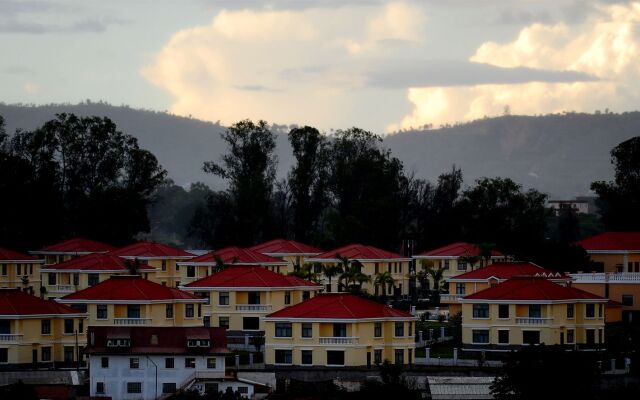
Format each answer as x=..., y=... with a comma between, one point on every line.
x=149, y=362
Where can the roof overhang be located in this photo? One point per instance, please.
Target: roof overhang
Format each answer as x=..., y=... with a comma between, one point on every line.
x=337, y=320
x=40, y=316
x=156, y=257
x=90, y=271
x=532, y=301
x=613, y=251
x=437, y=257
x=248, y=264
x=98, y=301
x=362, y=260
x=38, y=261
x=68, y=253
x=248, y=289
x=289, y=254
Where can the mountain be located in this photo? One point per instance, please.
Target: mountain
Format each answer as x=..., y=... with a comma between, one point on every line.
x=557, y=154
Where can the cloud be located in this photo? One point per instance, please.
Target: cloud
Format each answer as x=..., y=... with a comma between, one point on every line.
x=606, y=47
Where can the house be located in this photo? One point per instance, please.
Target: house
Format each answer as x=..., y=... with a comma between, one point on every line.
x=150, y=362
x=289, y=250
x=80, y=273
x=18, y=270
x=159, y=256
x=614, y=251
x=71, y=248
x=238, y=296
x=38, y=333
x=530, y=310
x=455, y=259
x=492, y=275
x=578, y=205
x=338, y=330
x=371, y=261
x=206, y=264
x=131, y=300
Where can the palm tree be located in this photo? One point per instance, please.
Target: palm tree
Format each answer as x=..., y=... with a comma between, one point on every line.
x=133, y=266
x=469, y=259
x=220, y=264
x=384, y=279
x=353, y=278
x=422, y=277
x=486, y=251
x=437, y=275
x=331, y=271
x=305, y=272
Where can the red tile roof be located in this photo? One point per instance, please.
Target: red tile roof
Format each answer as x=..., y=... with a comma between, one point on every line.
x=167, y=340
x=612, y=241
x=530, y=288
x=282, y=247
x=17, y=302
x=250, y=277
x=507, y=270
x=357, y=252
x=235, y=256
x=150, y=250
x=76, y=246
x=97, y=262
x=457, y=249
x=10, y=255
x=128, y=288
x=339, y=306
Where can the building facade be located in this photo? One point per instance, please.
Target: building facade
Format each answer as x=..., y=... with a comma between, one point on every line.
x=294, y=253
x=18, y=270
x=614, y=251
x=69, y=249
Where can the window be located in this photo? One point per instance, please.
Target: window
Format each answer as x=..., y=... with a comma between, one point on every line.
x=100, y=387
x=206, y=321
x=134, y=387
x=254, y=297
x=134, y=363
x=627, y=300
x=307, y=330
x=335, y=357
x=93, y=279
x=460, y=288
x=189, y=362
x=223, y=322
x=133, y=311
x=307, y=357
x=503, y=311
x=191, y=271
x=480, y=336
x=76, y=279
x=462, y=266
x=283, y=329
x=46, y=354
x=104, y=362
x=399, y=356
x=68, y=352
x=377, y=329
x=376, y=268
x=446, y=264
x=19, y=267
x=68, y=326
x=283, y=356
x=480, y=311
x=4, y=269
x=188, y=311
x=169, y=362
x=590, y=336
x=243, y=389
x=168, y=312
x=101, y=312
x=377, y=356
x=211, y=363
x=339, y=330
x=287, y=297
x=399, y=329
x=51, y=278
x=45, y=327
x=168, y=387
x=570, y=311
x=570, y=336
x=306, y=295
x=535, y=311
x=590, y=311
x=223, y=298
x=4, y=355
x=164, y=265
x=600, y=314
x=530, y=337
x=503, y=336
x=250, y=323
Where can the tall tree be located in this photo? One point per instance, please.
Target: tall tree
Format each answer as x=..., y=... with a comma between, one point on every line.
x=250, y=168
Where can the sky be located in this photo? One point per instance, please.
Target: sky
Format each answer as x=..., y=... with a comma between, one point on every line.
x=384, y=66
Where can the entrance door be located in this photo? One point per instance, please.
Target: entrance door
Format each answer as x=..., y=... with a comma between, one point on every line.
x=368, y=359
x=561, y=338
x=34, y=357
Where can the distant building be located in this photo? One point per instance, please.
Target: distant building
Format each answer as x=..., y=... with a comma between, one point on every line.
x=18, y=270
x=295, y=253
x=337, y=330
x=150, y=362
x=579, y=206
x=72, y=248
x=373, y=261
x=527, y=310
x=37, y=333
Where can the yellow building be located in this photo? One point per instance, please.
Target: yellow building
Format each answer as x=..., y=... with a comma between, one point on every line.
x=80, y=273
x=161, y=257
x=206, y=264
x=37, y=333
x=70, y=249
x=532, y=310
x=338, y=330
x=372, y=261
x=295, y=253
x=614, y=251
x=20, y=271
x=239, y=296
x=126, y=300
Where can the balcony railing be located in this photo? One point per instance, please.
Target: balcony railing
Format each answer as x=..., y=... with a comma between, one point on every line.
x=131, y=321
x=66, y=288
x=10, y=337
x=253, y=307
x=533, y=321
x=597, y=277
x=338, y=340
x=451, y=298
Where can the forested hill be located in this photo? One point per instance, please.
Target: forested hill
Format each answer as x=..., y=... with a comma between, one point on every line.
x=557, y=154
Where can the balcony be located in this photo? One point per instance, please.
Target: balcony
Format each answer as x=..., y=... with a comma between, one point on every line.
x=9, y=337
x=533, y=321
x=131, y=321
x=253, y=307
x=451, y=298
x=65, y=288
x=338, y=340
x=603, y=277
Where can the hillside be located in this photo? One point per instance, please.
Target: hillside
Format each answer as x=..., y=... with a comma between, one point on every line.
x=558, y=154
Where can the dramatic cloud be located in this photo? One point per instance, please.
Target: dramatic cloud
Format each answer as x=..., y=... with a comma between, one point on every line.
x=606, y=47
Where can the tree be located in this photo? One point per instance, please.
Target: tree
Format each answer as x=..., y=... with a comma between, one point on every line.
x=353, y=278
x=619, y=200
x=436, y=275
x=485, y=251
x=331, y=271
x=305, y=271
x=384, y=279
x=250, y=168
